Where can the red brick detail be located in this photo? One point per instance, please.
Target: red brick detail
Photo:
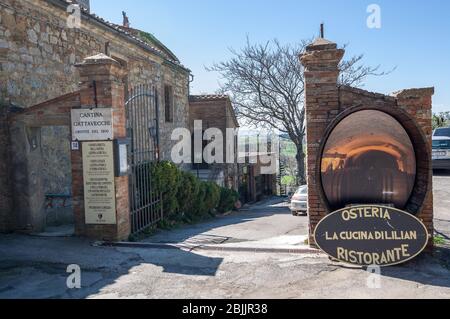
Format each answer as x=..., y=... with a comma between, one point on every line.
x=326, y=103
x=110, y=93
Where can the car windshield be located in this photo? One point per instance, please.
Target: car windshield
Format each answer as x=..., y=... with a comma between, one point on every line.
x=302, y=190
x=441, y=144
x=442, y=132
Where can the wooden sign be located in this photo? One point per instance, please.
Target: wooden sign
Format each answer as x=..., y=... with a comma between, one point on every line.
x=371, y=235
x=99, y=188
x=92, y=124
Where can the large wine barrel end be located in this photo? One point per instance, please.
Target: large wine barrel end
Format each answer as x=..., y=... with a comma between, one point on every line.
x=368, y=159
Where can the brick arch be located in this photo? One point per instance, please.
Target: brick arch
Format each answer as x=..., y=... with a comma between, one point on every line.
x=420, y=143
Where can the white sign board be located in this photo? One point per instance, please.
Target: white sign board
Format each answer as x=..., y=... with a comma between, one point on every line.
x=99, y=188
x=92, y=124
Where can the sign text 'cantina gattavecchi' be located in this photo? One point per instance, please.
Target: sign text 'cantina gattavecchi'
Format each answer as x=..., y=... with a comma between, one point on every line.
x=371, y=235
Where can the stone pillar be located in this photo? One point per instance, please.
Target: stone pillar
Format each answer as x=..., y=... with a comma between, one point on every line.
x=108, y=75
x=418, y=104
x=321, y=61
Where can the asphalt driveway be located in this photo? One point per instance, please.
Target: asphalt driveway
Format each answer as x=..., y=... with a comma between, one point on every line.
x=33, y=267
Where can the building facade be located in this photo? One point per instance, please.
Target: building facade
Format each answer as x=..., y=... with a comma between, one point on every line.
x=216, y=111
x=39, y=49
x=41, y=45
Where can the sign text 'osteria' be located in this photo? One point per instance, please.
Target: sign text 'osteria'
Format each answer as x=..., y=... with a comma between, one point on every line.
x=371, y=235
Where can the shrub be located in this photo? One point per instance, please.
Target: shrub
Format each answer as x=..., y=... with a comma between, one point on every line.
x=211, y=197
x=228, y=199
x=165, y=177
x=205, y=202
x=185, y=197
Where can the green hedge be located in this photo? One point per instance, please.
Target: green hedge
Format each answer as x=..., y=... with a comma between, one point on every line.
x=186, y=199
x=228, y=199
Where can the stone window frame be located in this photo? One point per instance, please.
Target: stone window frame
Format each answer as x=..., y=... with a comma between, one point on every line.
x=169, y=105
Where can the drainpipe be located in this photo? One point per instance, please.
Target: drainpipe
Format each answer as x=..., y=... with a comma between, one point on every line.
x=191, y=79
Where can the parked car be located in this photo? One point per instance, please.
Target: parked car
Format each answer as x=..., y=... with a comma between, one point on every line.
x=442, y=132
x=441, y=152
x=299, y=201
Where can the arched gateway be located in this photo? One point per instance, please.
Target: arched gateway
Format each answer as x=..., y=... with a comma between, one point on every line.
x=114, y=139
x=364, y=148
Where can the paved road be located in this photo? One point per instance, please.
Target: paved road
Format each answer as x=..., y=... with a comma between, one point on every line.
x=268, y=222
x=442, y=202
x=36, y=267
x=271, y=222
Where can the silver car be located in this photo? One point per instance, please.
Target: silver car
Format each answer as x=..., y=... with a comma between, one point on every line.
x=441, y=152
x=299, y=201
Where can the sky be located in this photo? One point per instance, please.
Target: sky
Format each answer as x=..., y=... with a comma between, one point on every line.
x=414, y=36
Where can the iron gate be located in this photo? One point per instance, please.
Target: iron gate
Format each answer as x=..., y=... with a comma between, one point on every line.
x=142, y=115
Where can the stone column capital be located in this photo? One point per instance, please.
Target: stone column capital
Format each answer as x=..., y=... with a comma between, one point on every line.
x=322, y=55
x=101, y=67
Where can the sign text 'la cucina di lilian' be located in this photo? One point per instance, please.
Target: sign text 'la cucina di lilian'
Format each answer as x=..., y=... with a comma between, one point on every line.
x=371, y=235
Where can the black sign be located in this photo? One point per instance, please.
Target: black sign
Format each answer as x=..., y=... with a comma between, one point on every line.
x=371, y=235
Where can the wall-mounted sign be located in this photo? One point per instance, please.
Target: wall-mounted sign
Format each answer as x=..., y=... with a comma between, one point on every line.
x=99, y=188
x=371, y=235
x=121, y=156
x=92, y=124
x=75, y=146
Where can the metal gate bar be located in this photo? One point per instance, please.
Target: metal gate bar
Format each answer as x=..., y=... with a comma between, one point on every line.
x=143, y=130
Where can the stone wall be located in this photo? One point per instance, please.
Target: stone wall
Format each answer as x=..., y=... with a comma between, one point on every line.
x=216, y=112
x=56, y=169
x=38, y=54
x=28, y=168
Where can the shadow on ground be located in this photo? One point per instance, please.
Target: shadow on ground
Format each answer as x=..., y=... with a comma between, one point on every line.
x=33, y=267
x=431, y=269
x=200, y=234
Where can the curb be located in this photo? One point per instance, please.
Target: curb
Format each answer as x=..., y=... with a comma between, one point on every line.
x=208, y=248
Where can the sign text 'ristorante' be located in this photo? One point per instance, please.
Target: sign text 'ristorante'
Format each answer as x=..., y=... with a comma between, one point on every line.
x=371, y=235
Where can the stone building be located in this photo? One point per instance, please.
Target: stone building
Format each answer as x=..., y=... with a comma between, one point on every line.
x=215, y=111
x=38, y=54
x=40, y=47
x=255, y=183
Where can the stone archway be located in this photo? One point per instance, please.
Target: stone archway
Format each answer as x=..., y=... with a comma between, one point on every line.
x=327, y=103
x=101, y=87
x=28, y=159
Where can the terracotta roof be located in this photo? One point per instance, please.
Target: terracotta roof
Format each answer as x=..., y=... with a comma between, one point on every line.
x=168, y=56
x=208, y=97
x=216, y=97
x=150, y=39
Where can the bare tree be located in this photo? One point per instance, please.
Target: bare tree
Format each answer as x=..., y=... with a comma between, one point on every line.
x=266, y=85
x=441, y=120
